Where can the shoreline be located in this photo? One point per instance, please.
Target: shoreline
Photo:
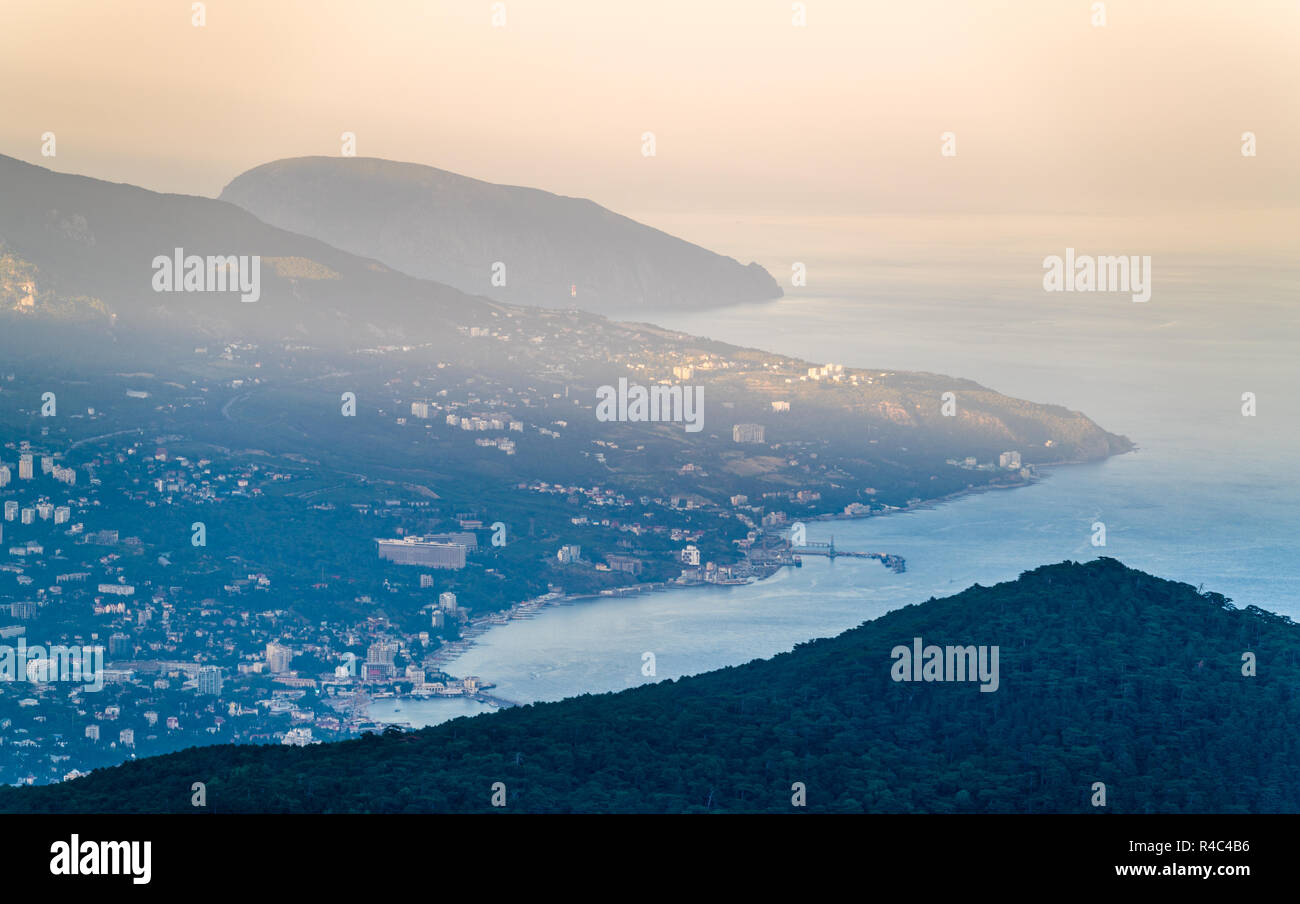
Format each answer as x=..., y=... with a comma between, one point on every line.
x=531, y=608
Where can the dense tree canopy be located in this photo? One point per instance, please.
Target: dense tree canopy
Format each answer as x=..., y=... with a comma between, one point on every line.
x=1107, y=675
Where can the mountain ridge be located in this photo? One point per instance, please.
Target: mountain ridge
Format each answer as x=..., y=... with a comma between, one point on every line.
x=97, y=238
x=512, y=243
x=91, y=242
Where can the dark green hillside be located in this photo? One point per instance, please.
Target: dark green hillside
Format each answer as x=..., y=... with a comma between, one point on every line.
x=1106, y=675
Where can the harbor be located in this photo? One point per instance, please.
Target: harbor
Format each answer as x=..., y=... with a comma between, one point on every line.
x=770, y=553
x=896, y=564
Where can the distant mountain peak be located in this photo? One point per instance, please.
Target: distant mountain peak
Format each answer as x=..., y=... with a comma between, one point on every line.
x=507, y=242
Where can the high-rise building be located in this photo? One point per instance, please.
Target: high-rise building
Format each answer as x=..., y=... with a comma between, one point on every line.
x=11, y=509
x=465, y=538
x=382, y=651
x=278, y=658
x=126, y=737
x=5, y=475
x=210, y=680
x=420, y=409
x=119, y=645
x=447, y=602
x=92, y=732
x=62, y=514
x=426, y=580
x=419, y=551
x=379, y=661
x=29, y=516
x=628, y=564
x=47, y=464
x=25, y=467
x=747, y=433
x=569, y=554
x=1009, y=460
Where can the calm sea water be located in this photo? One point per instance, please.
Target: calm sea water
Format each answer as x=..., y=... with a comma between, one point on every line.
x=1210, y=496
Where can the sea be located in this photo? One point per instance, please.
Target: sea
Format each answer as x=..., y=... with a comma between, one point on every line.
x=1210, y=496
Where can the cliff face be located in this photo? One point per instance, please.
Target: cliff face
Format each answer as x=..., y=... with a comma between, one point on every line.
x=512, y=244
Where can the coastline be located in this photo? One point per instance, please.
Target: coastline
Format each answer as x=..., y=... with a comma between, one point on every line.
x=531, y=608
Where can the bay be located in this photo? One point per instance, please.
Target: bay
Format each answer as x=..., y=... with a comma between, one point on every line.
x=1210, y=496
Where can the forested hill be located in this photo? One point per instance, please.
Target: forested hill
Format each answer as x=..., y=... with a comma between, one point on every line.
x=1106, y=674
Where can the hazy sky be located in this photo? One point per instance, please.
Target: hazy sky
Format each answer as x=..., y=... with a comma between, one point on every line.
x=751, y=113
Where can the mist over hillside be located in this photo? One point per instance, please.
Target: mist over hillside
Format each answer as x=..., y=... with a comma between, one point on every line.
x=92, y=239
x=548, y=250
x=79, y=257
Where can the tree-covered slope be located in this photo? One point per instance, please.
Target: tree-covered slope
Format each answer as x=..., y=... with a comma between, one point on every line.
x=1106, y=674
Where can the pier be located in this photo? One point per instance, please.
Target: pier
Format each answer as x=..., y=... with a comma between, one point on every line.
x=896, y=564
